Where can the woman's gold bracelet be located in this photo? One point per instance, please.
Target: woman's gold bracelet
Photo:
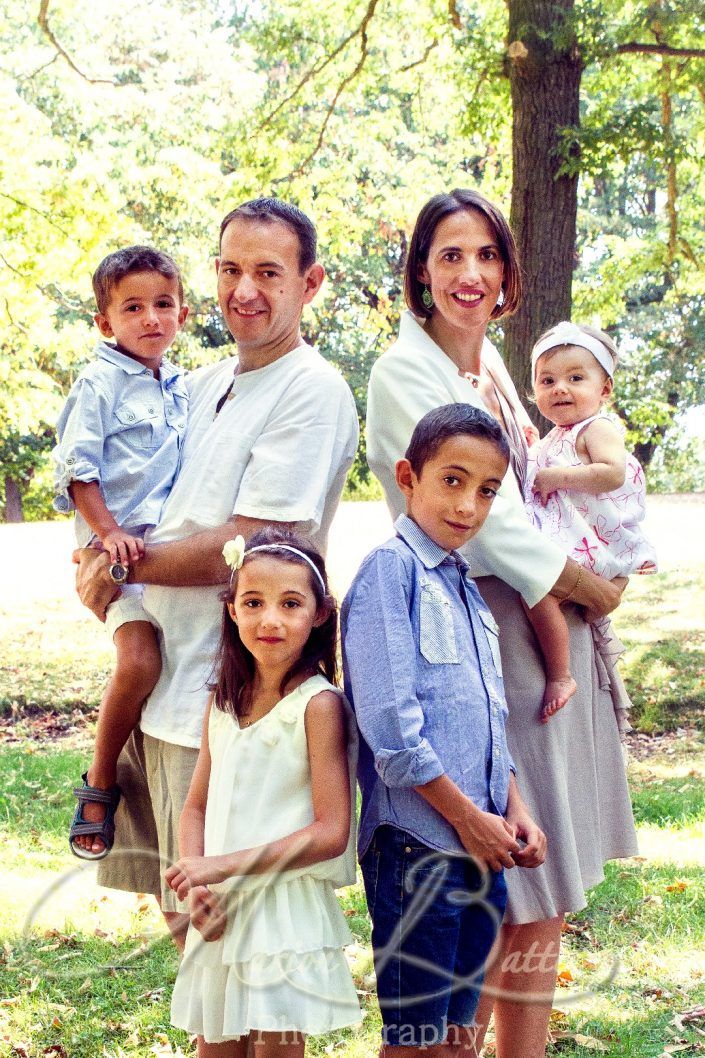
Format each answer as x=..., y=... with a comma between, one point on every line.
x=571, y=593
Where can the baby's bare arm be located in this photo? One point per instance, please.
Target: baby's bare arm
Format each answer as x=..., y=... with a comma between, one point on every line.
x=601, y=447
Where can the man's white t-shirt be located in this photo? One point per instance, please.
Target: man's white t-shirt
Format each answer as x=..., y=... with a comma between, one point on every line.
x=278, y=450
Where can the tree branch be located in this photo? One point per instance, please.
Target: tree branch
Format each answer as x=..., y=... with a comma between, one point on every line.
x=660, y=49
x=359, y=30
x=39, y=212
x=43, y=19
x=422, y=60
x=54, y=294
x=348, y=79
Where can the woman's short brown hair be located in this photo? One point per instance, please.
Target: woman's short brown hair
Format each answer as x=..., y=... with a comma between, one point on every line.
x=435, y=210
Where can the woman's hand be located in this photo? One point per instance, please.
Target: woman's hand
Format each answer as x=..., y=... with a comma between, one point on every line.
x=608, y=595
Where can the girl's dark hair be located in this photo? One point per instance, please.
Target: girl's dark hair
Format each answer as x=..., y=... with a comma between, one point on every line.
x=234, y=667
x=437, y=209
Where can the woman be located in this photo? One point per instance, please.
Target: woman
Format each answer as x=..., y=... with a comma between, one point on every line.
x=462, y=271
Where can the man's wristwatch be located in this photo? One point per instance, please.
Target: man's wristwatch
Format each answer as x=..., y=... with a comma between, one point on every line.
x=118, y=573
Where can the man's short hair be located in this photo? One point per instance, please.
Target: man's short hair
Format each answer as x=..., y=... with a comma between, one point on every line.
x=270, y=210
x=113, y=268
x=452, y=420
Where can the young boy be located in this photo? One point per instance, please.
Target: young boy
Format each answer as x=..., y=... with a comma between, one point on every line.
x=441, y=813
x=119, y=441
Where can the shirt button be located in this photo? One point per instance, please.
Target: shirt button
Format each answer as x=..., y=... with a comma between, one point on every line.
x=70, y=461
x=407, y=848
x=130, y=417
x=151, y=411
x=61, y=503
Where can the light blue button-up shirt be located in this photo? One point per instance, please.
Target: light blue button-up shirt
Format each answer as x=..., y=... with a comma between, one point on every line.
x=123, y=428
x=423, y=673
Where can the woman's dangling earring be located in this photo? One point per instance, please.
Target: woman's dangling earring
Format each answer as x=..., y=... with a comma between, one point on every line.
x=427, y=298
x=500, y=299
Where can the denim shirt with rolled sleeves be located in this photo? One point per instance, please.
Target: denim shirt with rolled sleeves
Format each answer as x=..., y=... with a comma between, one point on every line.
x=122, y=428
x=423, y=673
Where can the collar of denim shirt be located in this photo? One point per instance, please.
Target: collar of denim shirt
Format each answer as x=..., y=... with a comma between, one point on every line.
x=426, y=550
x=114, y=355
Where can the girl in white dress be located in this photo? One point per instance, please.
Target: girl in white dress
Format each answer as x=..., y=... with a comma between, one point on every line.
x=583, y=489
x=267, y=831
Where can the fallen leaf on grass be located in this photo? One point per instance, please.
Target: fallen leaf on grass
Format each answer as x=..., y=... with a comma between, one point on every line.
x=673, y=1048
x=589, y=1042
x=20, y=1049
x=695, y=1014
x=85, y=987
x=678, y=887
x=55, y=1049
x=564, y=977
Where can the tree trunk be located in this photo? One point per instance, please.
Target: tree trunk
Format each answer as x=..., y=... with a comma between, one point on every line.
x=545, y=67
x=13, y=501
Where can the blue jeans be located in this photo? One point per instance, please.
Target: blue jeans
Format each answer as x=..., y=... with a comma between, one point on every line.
x=434, y=919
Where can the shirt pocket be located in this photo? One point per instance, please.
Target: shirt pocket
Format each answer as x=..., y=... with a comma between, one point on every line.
x=437, y=633
x=142, y=425
x=492, y=635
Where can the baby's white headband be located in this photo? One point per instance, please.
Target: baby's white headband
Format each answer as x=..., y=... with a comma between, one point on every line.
x=234, y=554
x=569, y=334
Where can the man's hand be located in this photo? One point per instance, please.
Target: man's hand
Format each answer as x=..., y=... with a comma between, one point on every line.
x=207, y=913
x=546, y=482
x=93, y=584
x=123, y=547
x=490, y=840
x=192, y=872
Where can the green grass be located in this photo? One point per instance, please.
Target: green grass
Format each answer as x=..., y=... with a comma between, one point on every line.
x=93, y=973
x=85, y=973
x=50, y=660
x=663, y=629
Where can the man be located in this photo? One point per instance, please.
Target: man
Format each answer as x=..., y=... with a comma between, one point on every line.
x=271, y=435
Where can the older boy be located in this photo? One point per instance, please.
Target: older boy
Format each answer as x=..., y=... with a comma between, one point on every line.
x=441, y=812
x=120, y=437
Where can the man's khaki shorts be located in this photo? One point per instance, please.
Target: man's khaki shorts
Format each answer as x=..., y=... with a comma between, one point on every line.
x=154, y=777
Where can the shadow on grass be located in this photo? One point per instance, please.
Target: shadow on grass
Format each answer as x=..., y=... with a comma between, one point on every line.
x=669, y=802
x=665, y=680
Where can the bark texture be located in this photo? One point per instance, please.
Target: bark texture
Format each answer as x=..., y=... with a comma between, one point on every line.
x=544, y=68
x=13, y=501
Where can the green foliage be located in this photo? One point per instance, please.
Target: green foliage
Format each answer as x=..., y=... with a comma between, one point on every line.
x=157, y=120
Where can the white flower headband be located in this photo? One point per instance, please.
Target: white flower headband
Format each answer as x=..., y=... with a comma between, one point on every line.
x=234, y=552
x=570, y=334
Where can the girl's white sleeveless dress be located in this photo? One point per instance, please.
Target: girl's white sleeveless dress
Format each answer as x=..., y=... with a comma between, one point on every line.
x=279, y=965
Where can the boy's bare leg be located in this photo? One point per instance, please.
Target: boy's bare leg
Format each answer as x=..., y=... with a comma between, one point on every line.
x=136, y=673
x=178, y=922
x=551, y=631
